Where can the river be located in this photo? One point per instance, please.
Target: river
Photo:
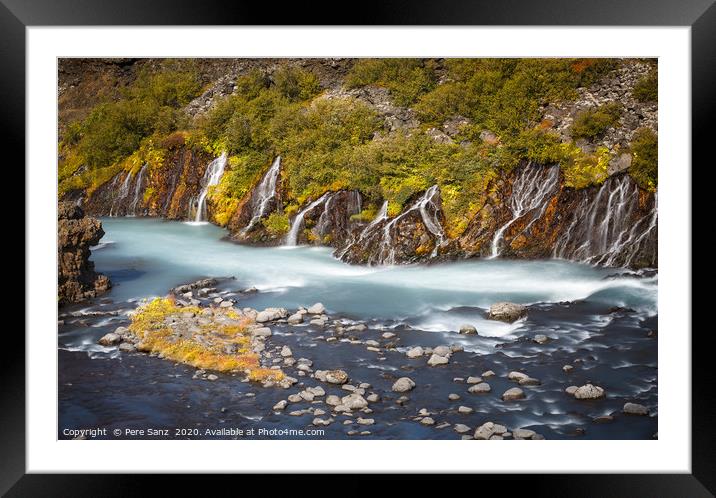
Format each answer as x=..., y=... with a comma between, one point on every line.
x=601, y=320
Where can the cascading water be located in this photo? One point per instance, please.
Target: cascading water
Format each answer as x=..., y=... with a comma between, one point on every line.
x=531, y=190
x=265, y=192
x=122, y=194
x=292, y=237
x=607, y=228
x=138, y=184
x=379, y=218
x=428, y=212
x=212, y=176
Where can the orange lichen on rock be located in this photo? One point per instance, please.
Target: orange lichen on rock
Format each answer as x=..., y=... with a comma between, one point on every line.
x=208, y=338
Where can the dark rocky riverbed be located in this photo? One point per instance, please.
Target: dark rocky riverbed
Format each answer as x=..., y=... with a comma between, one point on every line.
x=615, y=349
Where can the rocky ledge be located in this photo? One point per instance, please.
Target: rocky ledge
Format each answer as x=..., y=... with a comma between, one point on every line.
x=76, y=233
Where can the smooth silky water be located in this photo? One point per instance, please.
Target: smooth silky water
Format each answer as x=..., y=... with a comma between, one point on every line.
x=147, y=257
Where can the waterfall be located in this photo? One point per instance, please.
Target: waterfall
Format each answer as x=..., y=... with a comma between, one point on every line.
x=530, y=190
x=607, y=228
x=424, y=205
x=211, y=178
x=265, y=192
x=138, y=189
x=381, y=216
x=122, y=194
x=292, y=237
x=352, y=201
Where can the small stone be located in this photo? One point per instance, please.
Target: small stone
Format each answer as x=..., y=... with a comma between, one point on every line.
x=589, y=391
x=513, y=394
x=517, y=376
x=481, y=388
x=127, y=347
x=373, y=398
x=465, y=410
x=571, y=390
x=261, y=332
x=320, y=421
x=333, y=400
x=403, y=384
x=485, y=431
x=280, y=405
x=316, y=309
x=468, y=329
x=567, y=368
x=295, y=398
x=488, y=373
x=436, y=360
x=540, y=339
x=523, y=434
x=415, y=352
x=427, y=421
x=354, y=401
x=365, y=421
x=461, y=428
x=635, y=409
x=110, y=339
x=295, y=319
x=388, y=335
x=529, y=381
x=286, y=352
x=442, y=351
x=453, y=397
x=332, y=376
x=473, y=380
x=211, y=377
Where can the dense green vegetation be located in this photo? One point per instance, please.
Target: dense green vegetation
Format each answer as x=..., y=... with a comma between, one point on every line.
x=594, y=122
x=646, y=89
x=645, y=162
x=329, y=142
x=114, y=131
x=407, y=79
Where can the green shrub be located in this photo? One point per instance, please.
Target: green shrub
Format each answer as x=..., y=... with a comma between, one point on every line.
x=276, y=223
x=407, y=79
x=296, y=84
x=592, y=123
x=646, y=89
x=645, y=158
x=114, y=130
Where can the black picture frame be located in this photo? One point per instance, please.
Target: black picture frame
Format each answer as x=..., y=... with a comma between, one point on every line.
x=700, y=15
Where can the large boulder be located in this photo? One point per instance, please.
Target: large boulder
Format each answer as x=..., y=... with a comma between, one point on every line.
x=76, y=233
x=507, y=312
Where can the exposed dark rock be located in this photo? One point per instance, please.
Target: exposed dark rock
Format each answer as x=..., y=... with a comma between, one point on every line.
x=76, y=233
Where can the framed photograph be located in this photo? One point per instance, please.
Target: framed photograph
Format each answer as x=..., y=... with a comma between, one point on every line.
x=366, y=248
